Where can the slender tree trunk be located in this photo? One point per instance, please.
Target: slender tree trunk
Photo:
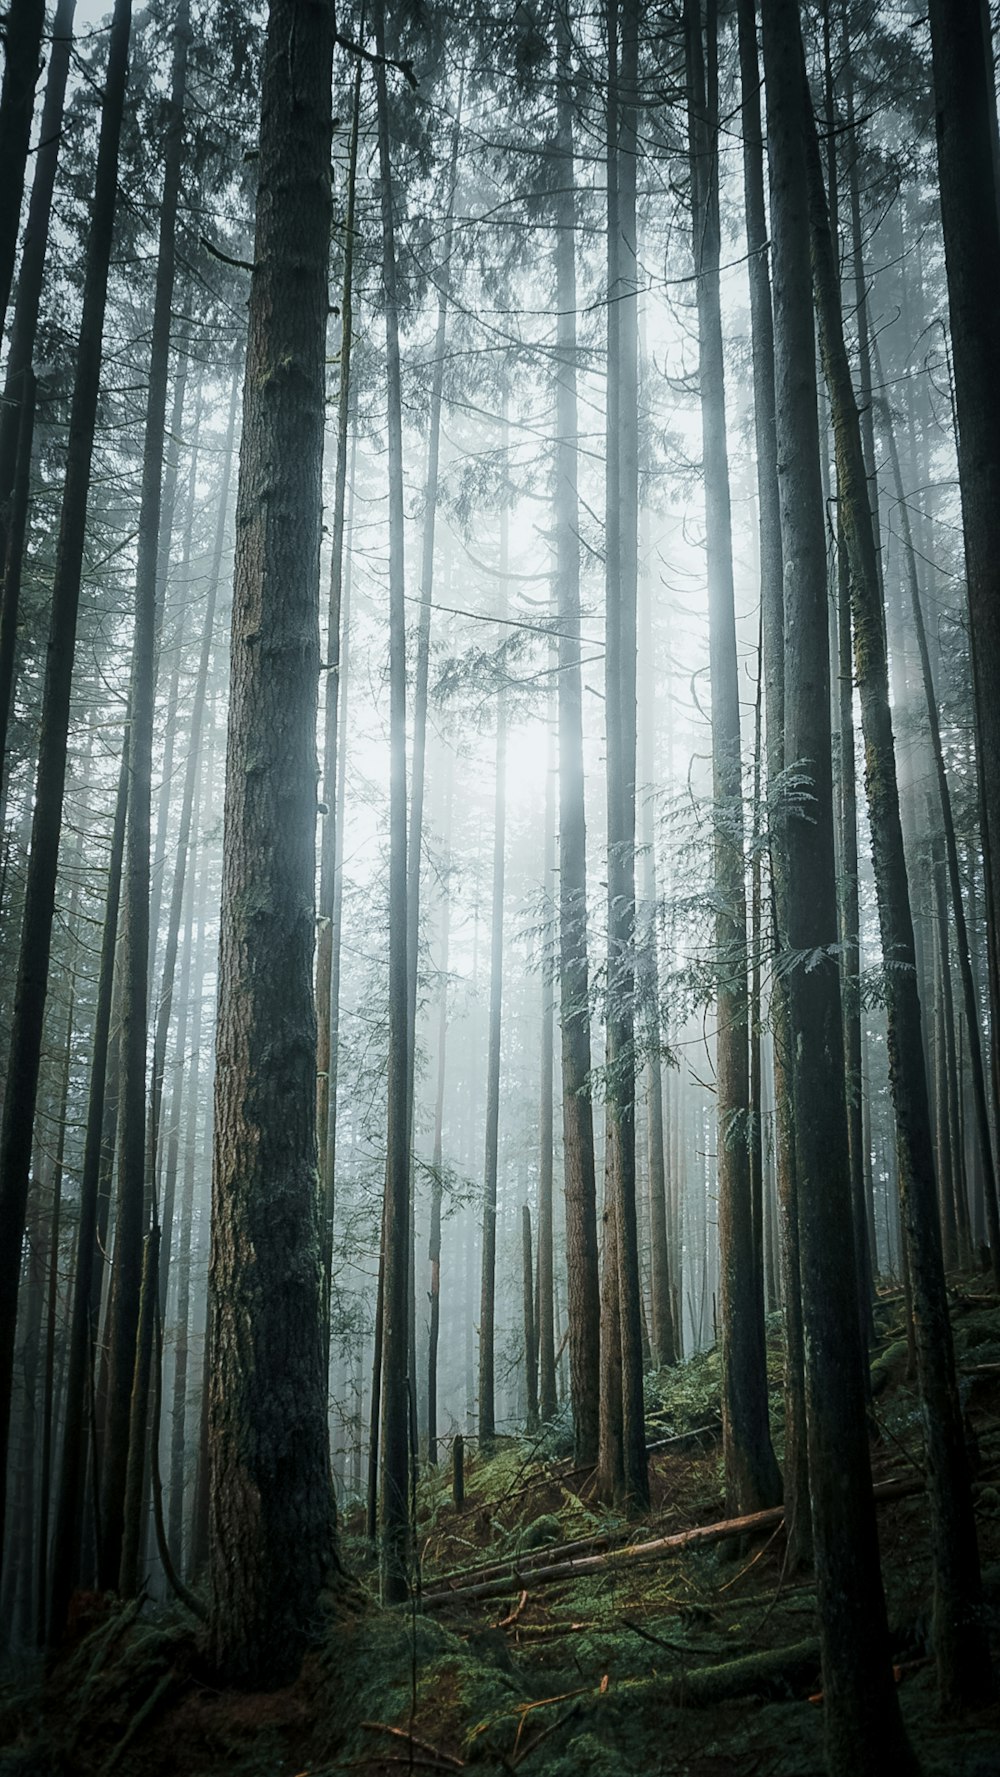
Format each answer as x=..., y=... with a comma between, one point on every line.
x=36, y=932
x=187, y=1074
x=396, y=1230
x=796, y=1475
x=544, y=1319
x=487, y=1311
x=188, y=796
x=664, y=1349
x=961, y=1647
x=434, y=1252
x=864, y=1731
x=530, y=1329
x=51, y=1308
x=89, y=1254
x=333, y=811
x=273, y=1522
x=135, y=1177
x=583, y=1289
x=752, y=1478
x=629, y=1479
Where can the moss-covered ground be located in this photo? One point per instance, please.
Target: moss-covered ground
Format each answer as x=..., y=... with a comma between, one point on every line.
x=702, y=1662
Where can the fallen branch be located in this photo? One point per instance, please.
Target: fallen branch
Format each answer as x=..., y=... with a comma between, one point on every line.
x=700, y=1536
x=446, y=1760
x=512, y=1616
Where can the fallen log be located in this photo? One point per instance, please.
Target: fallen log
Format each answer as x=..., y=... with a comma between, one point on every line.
x=700, y=1536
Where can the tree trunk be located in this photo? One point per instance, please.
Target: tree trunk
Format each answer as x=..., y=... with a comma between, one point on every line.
x=544, y=1320
x=135, y=1177
x=796, y=1474
x=487, y=1311
x=24, y=24
x=434, y=1251
x=960, y=1643
x=273, y=1548
x=630, y=1481
x=965, y=114
x=530, y=1329
x=864, y=1732
x=333, y=813
x=583, y=1289
x=188, y=795
x=39, y=904
x=752, y=1478
x=396, y=1229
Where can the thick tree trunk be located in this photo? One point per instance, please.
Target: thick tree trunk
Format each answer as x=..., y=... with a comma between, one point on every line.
x=583, y=1290
x=273, y=1549
x=24, y=23
x=36, y=932
x=961, y=1646
x=965, y=111
x=863, y=1727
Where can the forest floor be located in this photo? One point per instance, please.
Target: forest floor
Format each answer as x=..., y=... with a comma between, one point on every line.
x=693, y=1663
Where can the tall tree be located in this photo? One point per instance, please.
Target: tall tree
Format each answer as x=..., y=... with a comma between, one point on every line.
x=396, y=1218
x=23, y=24
x=864, y=1732
x=39, y=901
x=583, y=1291
x=135, y=1179
x=752, y=1478
x=623, y=1466
x=961, y=1644
x=966, y=122
x=16, y=421
x=273, y=1548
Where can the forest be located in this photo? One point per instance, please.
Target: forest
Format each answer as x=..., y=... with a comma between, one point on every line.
x=500, y=888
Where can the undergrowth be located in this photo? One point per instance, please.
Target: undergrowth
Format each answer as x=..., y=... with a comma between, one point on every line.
x=703, y=1663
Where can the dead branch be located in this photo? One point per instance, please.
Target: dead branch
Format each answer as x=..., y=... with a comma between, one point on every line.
x=699, y=1536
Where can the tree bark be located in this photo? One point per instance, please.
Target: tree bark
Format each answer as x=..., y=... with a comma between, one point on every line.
x=24, y=23
x=864, y=1732
x=273, y=1548
x=583, y=1289
x=752, y=1478
x=796, y=1474
x=135, y=1182
x=396, y=1228
x=966, y=122
x=961, y=1647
